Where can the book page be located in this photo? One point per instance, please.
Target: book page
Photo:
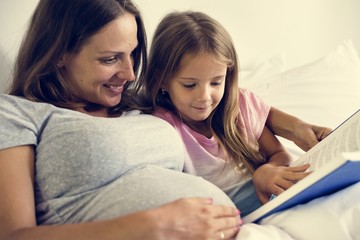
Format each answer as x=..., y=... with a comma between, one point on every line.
x=345, y=138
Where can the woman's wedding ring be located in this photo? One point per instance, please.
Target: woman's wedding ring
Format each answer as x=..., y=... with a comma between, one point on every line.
x=222, y=235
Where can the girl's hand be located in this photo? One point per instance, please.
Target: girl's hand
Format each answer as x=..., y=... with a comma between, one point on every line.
x=270, y=179
x=303, y=134
x=306, y=135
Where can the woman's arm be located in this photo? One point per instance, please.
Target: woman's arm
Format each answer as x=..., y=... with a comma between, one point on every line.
x=303, y=134
x=193, y=218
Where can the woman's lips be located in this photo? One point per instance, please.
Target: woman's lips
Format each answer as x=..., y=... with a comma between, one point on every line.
x=116, y=89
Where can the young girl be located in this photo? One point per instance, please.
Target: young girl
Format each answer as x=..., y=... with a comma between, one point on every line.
x=192, y=81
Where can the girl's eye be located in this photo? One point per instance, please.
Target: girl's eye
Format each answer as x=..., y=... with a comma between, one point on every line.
x=189, y=85
x=109, y=60
x=216, y=83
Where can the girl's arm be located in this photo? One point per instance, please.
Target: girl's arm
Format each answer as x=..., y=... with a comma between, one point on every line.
x=275, y=176
x=193, y=218
x=303, y=134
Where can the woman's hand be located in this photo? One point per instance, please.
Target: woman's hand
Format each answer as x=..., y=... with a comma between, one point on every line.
x=270, y=179
x=195, y=218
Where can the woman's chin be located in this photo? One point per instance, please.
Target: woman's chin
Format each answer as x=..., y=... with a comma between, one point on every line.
x=112, y=102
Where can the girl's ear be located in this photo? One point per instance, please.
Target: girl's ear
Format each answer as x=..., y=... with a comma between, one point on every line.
x=163, y=87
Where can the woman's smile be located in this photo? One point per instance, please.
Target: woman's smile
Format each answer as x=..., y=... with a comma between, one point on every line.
x=114, y=88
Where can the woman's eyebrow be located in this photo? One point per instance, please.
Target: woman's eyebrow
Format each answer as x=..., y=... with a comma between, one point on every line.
x=110, y=52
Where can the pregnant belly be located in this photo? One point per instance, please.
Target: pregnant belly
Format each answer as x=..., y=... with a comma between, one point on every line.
x=153, y=186
x=145, y=188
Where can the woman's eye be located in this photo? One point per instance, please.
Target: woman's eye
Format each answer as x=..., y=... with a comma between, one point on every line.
x=109, y=60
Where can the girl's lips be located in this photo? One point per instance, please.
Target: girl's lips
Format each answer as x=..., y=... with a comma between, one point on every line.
x=201, y=108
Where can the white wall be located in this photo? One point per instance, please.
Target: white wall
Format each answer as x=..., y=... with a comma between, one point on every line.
x=14, y=15
x=302, y=29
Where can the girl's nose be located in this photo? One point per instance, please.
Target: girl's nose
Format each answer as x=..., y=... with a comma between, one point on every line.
x=203, y=93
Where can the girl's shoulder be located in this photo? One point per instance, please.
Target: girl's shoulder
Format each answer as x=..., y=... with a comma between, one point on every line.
x=168, y=116
x=246, y=93
x=249, y=99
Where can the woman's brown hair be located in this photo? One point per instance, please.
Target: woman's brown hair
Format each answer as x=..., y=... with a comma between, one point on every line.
x=63, y=26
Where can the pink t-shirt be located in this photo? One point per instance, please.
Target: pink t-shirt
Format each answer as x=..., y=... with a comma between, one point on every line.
x=205, y=157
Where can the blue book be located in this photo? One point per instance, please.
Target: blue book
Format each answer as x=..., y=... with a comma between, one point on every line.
x=335, y=162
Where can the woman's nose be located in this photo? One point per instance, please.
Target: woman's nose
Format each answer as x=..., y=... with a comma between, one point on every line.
x=126, y=70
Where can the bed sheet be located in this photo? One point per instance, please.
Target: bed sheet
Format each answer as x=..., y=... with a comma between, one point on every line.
x=331, y=217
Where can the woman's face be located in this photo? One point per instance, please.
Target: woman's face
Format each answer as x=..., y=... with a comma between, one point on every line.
x=197, y=89
x=99, y=71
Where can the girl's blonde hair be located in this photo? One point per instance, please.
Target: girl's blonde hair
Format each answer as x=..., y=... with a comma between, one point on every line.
x=192, y=33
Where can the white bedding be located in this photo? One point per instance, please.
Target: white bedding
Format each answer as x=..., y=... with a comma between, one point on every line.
x=323, y=92
x=333, y=217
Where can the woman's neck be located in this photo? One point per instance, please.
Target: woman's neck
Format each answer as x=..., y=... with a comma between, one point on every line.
x=100, y=112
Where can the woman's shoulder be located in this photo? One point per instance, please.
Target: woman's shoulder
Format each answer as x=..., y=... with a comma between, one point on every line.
x=11, y=104
x=17, y=104
x=16, y=107
x=11, y=98
x=18, y=101
x=19, y=117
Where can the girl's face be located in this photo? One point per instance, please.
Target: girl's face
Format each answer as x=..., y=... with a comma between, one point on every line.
x=197, y=89
x=99, y=71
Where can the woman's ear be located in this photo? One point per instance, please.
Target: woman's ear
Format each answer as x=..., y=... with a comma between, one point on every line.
x=61, y=62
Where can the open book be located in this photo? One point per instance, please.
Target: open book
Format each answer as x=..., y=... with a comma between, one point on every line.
x=335, y=162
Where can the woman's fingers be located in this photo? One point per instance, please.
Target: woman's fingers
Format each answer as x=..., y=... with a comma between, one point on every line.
x=227, y=220
x=227, y=234
x=226, y=211
x=214, y=218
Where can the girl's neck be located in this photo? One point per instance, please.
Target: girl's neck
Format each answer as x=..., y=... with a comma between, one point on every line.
x=200, y=127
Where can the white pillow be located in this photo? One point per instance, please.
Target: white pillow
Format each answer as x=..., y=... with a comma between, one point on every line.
x=274, y=65
x=324, y=92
